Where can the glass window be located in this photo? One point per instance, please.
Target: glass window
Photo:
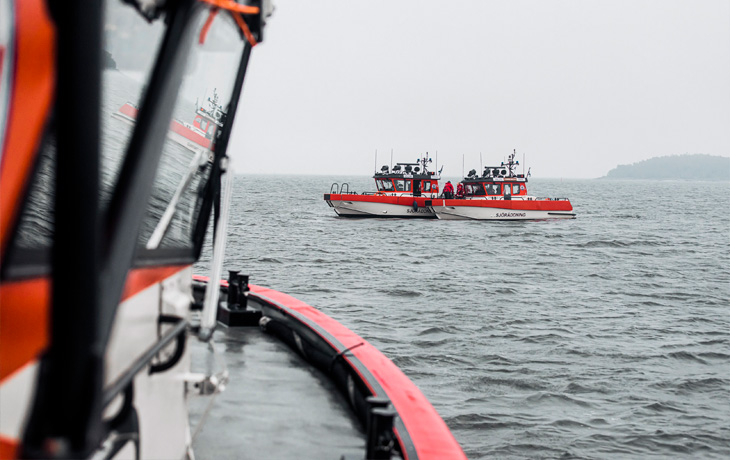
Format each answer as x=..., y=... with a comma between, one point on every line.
x=408, y=186
x=35, y=225
x=515, y=189
x=387, y=185
x=399, y=185
x=494, y=189
x=426, y=186
x=474, y=189
x=186, y=156
x=130, y=47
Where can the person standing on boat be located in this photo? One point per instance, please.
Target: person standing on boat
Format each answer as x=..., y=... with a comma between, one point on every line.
x=459, y=190
x=448, y=190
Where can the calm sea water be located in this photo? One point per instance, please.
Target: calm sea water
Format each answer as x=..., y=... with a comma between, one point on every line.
x=603, y=336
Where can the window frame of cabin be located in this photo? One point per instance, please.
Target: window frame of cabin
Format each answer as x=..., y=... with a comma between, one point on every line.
x=493, y=189
x=473, y=189
x=404, y=183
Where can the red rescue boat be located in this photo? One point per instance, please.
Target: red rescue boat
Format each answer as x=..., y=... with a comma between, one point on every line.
x=198, y=137
x=499, y=194
x=402, y=192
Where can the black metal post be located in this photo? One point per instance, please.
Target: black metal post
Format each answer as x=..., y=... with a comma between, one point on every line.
x=65, y=418
x=234, y=289
x=380, y=433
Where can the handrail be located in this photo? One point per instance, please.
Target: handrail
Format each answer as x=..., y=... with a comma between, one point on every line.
x=125, y=379
x=334, y=188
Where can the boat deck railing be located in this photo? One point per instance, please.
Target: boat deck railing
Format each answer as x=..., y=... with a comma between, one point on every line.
x=342, y=189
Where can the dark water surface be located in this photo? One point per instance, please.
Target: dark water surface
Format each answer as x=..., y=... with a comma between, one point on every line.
x=603, y=336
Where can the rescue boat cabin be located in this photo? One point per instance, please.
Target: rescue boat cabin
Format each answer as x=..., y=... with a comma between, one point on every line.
x=495, y=186
x=406, y=178
x=209, y=119
x=496, y=182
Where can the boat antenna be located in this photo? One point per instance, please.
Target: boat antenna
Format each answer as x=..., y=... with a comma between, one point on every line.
x=481, y=166
x=462, y=165
x=376, y=160
x=437, y=160
x=391, y=158
x=523, y=163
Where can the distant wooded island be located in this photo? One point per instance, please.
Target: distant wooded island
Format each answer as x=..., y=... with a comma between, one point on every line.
x=686, y=167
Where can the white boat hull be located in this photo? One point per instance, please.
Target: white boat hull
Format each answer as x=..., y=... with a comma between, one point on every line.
x=489, y=213
x=348, y=208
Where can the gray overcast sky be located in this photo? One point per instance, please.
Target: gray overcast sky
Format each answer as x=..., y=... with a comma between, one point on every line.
x=578, y=86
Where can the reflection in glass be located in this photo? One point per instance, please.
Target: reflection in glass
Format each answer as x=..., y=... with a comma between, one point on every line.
x=199, y=114
x=130, y=48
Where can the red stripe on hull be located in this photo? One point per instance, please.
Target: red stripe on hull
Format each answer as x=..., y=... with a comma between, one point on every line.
x=179, y=128
x=175, y=126
x=518, y=205
x=430, y=435
x=402, y=200
x=139, y=279
x=129, y=111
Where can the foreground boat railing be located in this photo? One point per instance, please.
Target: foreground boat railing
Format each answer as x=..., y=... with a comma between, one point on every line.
x=397, y=419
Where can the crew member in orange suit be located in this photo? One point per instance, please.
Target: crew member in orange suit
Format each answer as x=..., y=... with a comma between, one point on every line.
x=459, y=190
x=448, y=190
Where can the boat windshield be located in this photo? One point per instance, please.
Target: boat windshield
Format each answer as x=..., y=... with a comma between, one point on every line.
x=187, y=156
x=475, y=189
x=494, y=189
x=130, y=45
x=386, y=185
x=402, y=185
x=130, y=48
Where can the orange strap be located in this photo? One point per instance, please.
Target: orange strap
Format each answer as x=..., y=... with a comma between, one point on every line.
x=244, y=27
x=206, y=26
x=231, y=6
x=235, y=10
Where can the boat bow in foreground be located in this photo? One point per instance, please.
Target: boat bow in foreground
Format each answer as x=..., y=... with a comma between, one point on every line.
x=107, y=343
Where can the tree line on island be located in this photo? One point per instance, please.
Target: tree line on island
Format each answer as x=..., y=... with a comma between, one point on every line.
x=686, y=167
